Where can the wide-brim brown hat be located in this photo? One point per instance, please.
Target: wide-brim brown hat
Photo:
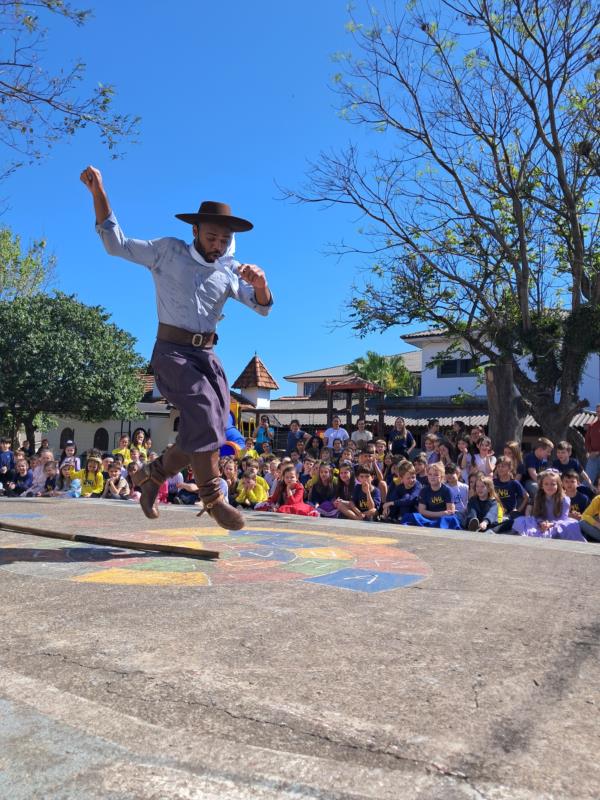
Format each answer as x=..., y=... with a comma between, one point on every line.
x=220, y=213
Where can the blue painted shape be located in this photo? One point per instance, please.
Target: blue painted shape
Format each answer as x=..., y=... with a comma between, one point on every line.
x=365, y=580
x=269, y=553
x=21, y=516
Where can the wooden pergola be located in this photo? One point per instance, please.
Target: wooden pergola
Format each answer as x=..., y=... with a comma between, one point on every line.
x=351, y=385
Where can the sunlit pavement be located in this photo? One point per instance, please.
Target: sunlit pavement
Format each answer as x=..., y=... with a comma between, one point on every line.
x=314, y=658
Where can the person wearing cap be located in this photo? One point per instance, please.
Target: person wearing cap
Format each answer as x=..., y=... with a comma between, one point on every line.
x=192, y=283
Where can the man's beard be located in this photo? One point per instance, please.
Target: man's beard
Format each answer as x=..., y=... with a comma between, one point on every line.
x=210, y=257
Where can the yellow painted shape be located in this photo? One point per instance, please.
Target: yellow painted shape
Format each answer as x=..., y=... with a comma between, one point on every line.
x=217, y=532
x=362, y=539
x=338, y=537
x=138, y=577
x=328, y=553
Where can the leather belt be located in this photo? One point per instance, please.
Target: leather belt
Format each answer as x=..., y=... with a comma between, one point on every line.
x=169, y=333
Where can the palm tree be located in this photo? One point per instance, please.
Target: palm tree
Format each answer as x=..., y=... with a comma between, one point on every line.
x=389, y=372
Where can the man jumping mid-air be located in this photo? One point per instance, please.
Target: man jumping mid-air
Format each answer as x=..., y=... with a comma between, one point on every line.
x=192, y=283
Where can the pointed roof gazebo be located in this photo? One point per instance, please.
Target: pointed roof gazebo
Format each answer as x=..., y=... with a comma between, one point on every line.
x=256, y=381
x=351, y=385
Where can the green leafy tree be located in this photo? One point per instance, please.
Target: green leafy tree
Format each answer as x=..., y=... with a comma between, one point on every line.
x=479, y=205
x=40, y=106
x=23, y=274
x=389, y=372
x=62, y=357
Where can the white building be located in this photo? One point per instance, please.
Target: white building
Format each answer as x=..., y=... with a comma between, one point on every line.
x=452, y=376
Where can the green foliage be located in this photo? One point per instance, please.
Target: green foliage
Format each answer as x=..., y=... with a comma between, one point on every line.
x=389, y=372
x=22, y=274
x=62, y=357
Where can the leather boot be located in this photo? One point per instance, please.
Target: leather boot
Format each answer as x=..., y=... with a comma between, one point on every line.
x=150, y=478
x=206, y=470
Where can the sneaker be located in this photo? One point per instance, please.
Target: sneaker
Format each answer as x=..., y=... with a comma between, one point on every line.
x=473, y=525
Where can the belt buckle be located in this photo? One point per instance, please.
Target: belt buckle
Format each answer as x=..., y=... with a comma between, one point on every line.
x=197, y=340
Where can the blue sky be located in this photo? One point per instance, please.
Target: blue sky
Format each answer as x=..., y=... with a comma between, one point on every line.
x=235, y=98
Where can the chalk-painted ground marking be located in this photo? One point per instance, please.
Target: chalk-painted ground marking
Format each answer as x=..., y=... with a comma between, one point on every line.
x=365, y=564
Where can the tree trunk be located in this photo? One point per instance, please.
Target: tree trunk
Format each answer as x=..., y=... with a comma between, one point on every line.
x=507, y=409
x=29, y=431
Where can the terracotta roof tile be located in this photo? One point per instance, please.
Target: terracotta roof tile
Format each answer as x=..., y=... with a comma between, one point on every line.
x=255, y=374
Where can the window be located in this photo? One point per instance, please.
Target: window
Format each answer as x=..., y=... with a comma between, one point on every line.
x=310, y=388
x=66, y=435
x=456, y=368
x=101, y=439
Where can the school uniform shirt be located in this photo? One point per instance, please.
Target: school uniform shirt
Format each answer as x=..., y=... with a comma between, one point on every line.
x=125, y=452
x=22, y=482
x=7, y=459
x=533, y=462
x=511, y=494
x=406, y=501
x=579, y=502
x=359, y=498
x=435, y=500
x=572, y=464
x=592, y=512
x=91, y=482
x=50, y=484
x=258, y=494
x=400, y=443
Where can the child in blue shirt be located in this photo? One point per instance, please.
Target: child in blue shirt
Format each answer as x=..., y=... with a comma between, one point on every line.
x=403, y=496
x=366, y=498
x=435, y=509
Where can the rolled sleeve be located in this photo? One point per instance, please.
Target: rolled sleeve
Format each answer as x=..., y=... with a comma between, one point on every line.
x=244, y=293
x=115, y=243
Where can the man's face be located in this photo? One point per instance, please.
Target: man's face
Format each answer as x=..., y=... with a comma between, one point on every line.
x=211, y=240
x=294, y=427
x=335, y=423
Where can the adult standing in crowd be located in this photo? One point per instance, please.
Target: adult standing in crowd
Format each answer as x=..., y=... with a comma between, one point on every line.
x=592, y=446
x=361, y=435
x=264, y=433
x=335, y=432
x=192, y=283
x=295, y=435
x=400, y=440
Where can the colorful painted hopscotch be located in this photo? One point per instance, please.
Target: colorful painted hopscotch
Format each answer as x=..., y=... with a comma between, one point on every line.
x=368, y=564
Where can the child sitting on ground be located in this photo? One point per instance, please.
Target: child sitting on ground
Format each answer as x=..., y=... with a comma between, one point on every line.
x=92, y=482
x=485, y=461
x=366, y=500
x=50, y=475
x=579, y=500
x=250, y=492
x=550, y=514
x=459, y=491
x=484, y=508
x=564, y=462
x=536, y=463
x=403, y=497
x=323, y=491
x=345, y=491
x=288, y=497
x=116, y=487
x=435, y=509
x=511, y=494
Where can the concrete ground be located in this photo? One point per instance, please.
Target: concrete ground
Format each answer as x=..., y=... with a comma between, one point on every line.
x=314, y=659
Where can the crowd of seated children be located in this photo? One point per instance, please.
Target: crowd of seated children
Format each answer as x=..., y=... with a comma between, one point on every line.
x=457, y=481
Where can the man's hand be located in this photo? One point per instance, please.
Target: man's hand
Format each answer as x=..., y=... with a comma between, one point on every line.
x=92, y=178
x=253, y=275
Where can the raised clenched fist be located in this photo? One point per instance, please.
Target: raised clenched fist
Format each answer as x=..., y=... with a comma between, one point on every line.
x=92, y=178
